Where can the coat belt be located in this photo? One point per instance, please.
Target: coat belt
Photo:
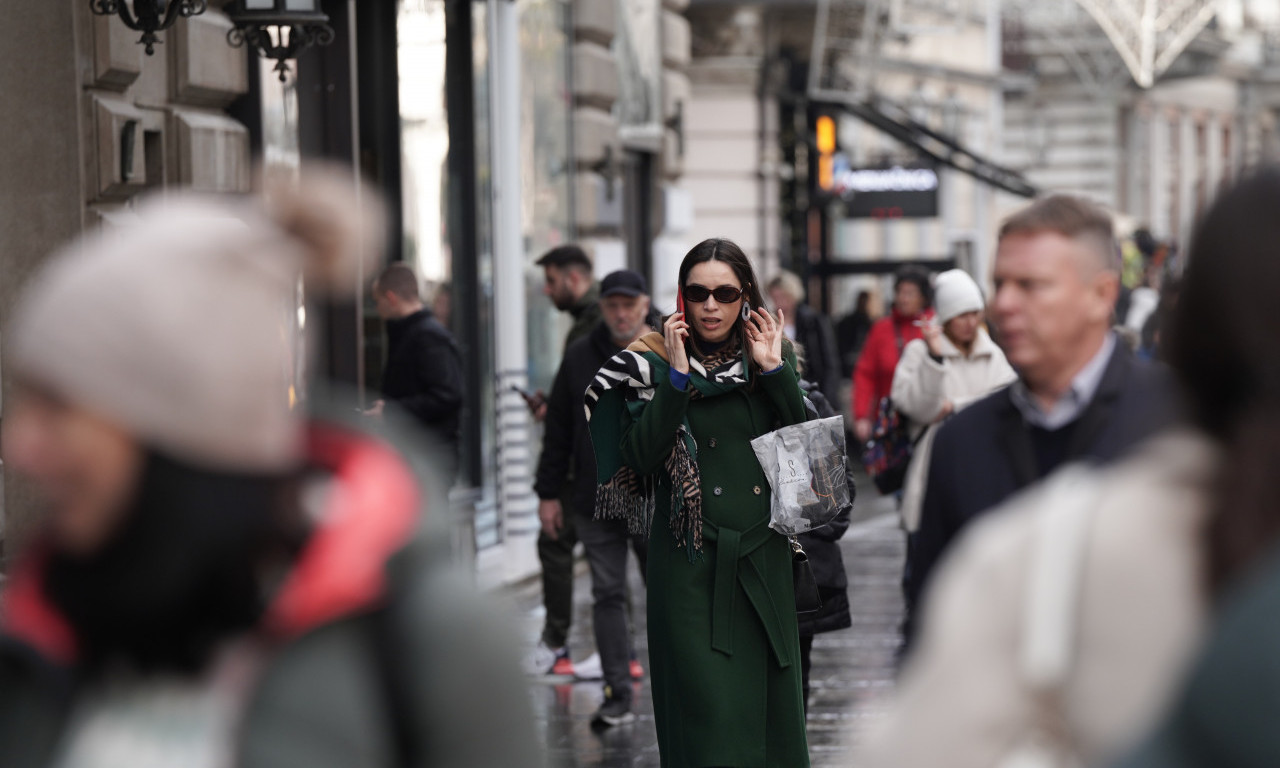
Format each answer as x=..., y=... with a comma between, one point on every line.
x=738, y=559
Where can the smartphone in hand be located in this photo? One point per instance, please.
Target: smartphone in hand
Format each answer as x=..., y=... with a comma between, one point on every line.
x=534, y=400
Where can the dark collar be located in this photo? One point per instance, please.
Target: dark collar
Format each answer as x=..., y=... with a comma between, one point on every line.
x=588, y=300
x=1015, y=434
x=410, y=319
x=603, y=341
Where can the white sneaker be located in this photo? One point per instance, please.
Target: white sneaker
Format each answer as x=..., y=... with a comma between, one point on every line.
x=589, y=668
x=543, y=661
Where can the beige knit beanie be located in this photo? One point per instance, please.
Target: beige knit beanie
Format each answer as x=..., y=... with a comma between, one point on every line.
x=180, y=327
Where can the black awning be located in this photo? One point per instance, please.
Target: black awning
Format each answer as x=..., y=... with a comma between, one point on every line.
x=946, y=150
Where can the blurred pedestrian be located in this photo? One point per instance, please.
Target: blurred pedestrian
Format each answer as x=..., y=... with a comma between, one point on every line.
x=873, y=376
x=217, y=579
x=825, y=560
x=1155, y=329
x=954, y=365
x=851, y=333
x=571, y=288
x=567, y=470
x=1080, y=395
x=440, y=300
x=1144, y=300
x=810, y=330
x=1163, y=541
x=423, y=373
x=671, y=419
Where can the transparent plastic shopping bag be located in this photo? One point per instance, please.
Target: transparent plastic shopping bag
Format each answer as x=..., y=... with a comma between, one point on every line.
x=806, y=467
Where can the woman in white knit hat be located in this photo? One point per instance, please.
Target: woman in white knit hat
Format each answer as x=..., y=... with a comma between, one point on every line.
x=217, y=578
x=954, y=364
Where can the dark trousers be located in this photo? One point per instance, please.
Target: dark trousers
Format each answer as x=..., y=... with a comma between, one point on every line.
x=908, y=626
x=606, y=542
x=556, y=556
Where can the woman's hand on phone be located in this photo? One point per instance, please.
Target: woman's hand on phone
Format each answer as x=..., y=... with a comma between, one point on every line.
x=674, y=333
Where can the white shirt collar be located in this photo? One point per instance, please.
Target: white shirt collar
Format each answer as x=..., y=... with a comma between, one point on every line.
x=1084, y=385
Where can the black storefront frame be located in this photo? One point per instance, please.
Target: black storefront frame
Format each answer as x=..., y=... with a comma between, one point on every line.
x=349, y=111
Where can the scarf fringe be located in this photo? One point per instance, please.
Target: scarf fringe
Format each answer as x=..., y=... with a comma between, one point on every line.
x=626, y=496
x=686, y=497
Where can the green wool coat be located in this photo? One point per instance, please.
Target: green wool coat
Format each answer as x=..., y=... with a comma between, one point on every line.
x=724, y=646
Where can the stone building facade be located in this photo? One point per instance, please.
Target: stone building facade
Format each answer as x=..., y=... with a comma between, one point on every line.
x=92, y=122
x=408, y=92
x=1155, y=155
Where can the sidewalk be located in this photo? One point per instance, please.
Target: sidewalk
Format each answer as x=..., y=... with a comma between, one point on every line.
x=852, y=669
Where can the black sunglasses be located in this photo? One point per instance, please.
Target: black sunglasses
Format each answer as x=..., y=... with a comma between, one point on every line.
x=725, y=294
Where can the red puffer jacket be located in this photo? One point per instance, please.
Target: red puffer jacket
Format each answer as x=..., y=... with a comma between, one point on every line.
x=873, y=377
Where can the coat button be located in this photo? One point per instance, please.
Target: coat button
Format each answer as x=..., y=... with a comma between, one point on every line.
x=718, y=491
x=756, y=490
x=712, y=442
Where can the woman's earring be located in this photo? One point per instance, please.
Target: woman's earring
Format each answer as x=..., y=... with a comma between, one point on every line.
x=746, y=311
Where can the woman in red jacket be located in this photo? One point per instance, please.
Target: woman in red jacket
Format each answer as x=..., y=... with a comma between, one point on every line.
x=873, y=376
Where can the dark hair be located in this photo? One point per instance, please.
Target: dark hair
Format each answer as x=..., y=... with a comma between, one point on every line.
x=727, y=251
x=401, y=280
x=1224, y=347
x=570, y=256
x=1145, y=242
x=917, y=276
x=1072, y=217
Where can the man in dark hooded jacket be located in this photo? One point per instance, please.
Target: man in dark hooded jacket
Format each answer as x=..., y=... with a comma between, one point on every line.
x=423, y=374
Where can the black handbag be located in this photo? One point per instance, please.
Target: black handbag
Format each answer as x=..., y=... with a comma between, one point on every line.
x=807, y=598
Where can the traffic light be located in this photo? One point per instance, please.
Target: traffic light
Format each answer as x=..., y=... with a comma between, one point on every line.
x=826, y=146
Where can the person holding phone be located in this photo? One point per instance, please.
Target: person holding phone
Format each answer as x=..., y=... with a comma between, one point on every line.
x=672, y=418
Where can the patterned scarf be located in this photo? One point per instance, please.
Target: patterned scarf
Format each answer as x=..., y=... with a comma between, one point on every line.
x=627, y=382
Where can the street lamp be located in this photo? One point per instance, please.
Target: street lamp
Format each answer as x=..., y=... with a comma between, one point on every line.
x=278, y=29
x=149, y=16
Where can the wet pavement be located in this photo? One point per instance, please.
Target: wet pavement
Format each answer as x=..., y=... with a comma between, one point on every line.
x=851, y=673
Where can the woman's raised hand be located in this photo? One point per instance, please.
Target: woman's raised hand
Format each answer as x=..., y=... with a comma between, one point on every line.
x=764, y=334
x=674, y=332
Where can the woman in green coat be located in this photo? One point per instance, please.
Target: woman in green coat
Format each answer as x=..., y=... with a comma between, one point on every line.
x=672, y=418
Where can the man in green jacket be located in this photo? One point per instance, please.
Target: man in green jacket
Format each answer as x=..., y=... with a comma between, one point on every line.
x=571, y=287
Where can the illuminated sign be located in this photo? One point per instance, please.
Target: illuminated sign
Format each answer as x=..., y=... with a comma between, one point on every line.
x=892, y=192
x=884, y=193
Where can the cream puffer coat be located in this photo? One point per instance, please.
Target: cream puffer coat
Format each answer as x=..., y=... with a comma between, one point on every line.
x=964, y=700
x=920, y=387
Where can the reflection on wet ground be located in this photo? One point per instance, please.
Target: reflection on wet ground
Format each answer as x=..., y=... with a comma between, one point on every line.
x=852, y=668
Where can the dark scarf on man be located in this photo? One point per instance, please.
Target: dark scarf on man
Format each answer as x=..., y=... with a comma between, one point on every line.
x=626, y=384
x=184, y=571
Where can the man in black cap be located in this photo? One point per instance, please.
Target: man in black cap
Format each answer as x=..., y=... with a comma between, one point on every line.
x=566, y=483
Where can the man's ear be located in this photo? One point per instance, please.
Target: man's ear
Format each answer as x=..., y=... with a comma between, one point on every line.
x=1106, y=291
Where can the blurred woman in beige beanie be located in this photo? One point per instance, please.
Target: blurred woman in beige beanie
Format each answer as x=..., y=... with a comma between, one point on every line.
x=955, y=364
x=219, y=579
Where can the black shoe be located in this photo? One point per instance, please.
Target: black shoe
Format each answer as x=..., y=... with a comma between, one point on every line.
x=614, y=711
